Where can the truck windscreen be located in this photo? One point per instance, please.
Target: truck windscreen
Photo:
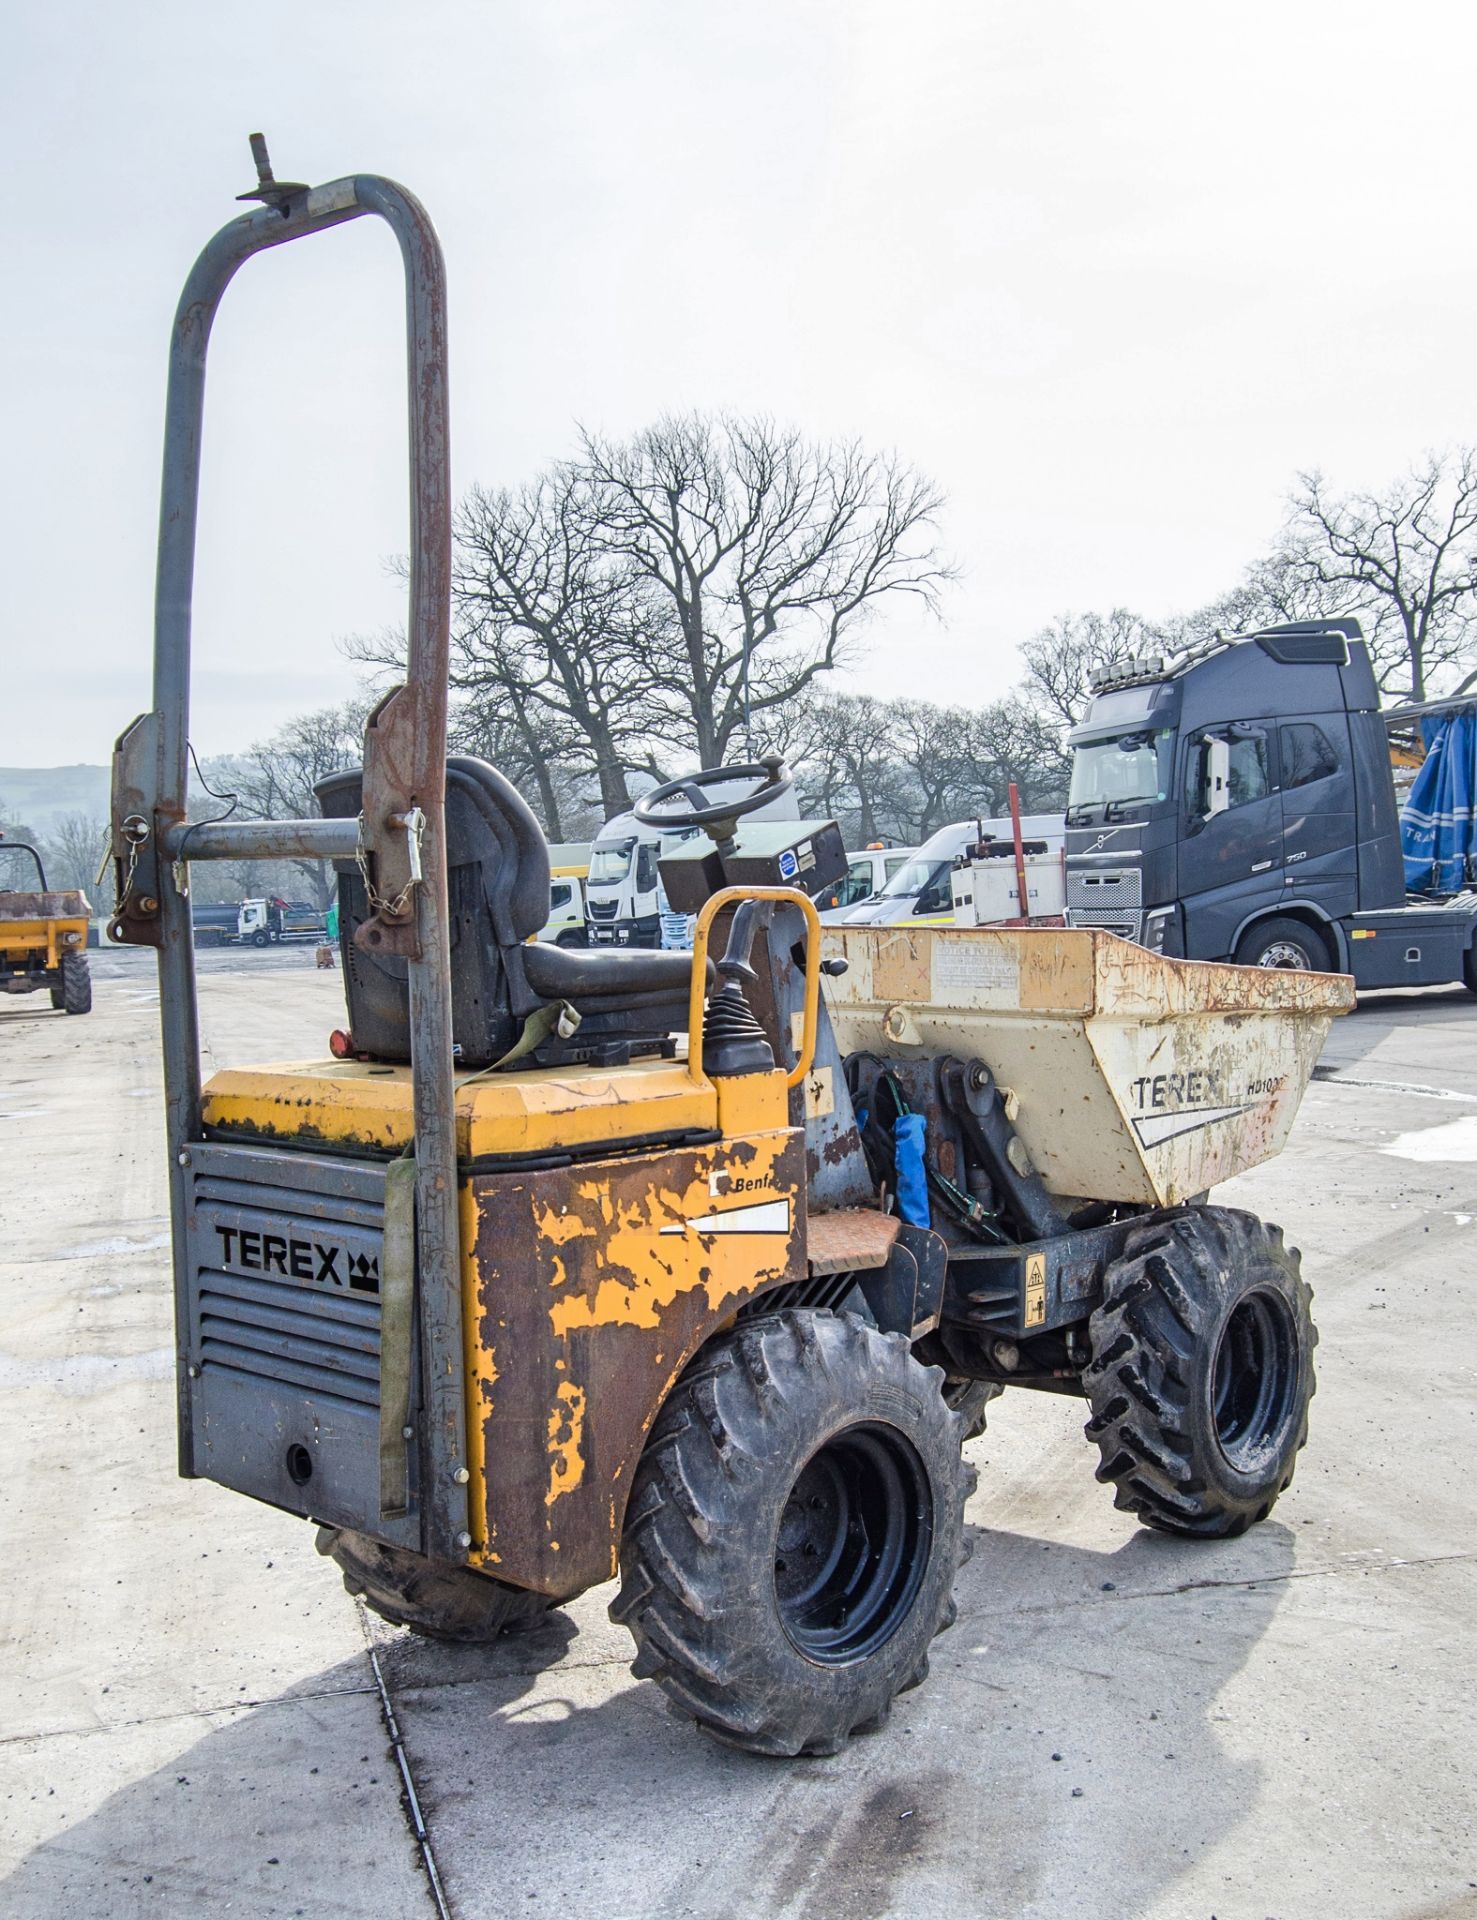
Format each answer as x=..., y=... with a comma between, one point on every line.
x=609, y=865
x=1134, y=766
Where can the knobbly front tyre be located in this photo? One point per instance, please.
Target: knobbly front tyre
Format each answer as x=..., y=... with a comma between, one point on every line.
x=794, y=1531
x=431, y=1597
x=73, y=992
x=1201, y=1371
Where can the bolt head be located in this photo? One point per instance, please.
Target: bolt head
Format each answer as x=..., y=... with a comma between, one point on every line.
x=464, y=1540
x=461, y=1476
x=184, y=1156
x=407, y=1433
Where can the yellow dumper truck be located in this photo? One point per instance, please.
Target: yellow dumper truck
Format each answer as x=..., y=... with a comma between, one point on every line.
x=43, y=934
x=695, y=1269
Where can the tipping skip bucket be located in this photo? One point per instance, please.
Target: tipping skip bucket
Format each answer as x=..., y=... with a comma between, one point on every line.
x=1128, y=1076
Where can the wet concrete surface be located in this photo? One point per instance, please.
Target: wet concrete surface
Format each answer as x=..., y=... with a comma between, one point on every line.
x=195, y=1715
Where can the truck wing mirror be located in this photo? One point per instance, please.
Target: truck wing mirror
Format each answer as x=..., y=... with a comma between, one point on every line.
x=1217, y=776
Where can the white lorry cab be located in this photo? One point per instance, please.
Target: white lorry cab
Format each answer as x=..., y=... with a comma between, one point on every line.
x=267, y=923
x=624, y=903
x=921, y=893
x=569, y=867
x=867, y=873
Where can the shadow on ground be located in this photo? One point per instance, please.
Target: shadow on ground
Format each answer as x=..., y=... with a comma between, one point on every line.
x=1063, y=1756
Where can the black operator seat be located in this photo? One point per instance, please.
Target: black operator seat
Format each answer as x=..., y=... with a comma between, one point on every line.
x=578, y=974
x=498, y=887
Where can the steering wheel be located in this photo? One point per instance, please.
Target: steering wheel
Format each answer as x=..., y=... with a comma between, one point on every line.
x=718, y=817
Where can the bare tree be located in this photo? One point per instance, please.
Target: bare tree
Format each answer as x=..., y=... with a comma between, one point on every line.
x=1404, y=560
x=846, y=762
x=900, y=770
x=1013, y=741
x=276, y=778
x=73, y=849
x=551, y=636
x=759, y=556
x=1061, y=658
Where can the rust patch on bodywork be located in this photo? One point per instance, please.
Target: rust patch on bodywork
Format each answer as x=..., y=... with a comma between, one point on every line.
x=589, y=1289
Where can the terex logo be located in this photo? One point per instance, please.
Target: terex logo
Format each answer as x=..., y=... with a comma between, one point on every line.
x=299, y=1259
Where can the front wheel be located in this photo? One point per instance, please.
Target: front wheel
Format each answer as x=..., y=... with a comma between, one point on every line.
x=794, y=1531
x=74, y=992
x=1286, y=943
x=1201, y=1371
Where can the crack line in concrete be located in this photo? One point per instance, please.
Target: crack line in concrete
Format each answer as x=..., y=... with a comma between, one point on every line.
x=182, y=1713
x=1246, y=1580
x=402, y=1760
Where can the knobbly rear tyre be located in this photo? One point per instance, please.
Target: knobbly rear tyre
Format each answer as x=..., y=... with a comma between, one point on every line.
x=1201, y=1371
x=431, y=1597
x=794, y=1531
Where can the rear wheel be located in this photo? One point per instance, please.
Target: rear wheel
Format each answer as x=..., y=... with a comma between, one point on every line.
x=1201, y=1371
x=794, y=1531
x=431, y=1597
x=74, y=993
x=1284, y=942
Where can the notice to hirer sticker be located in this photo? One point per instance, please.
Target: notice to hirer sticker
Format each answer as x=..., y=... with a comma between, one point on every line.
x=974, y=966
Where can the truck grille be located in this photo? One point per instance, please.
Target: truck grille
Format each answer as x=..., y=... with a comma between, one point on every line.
x=1129, y=926
x=601, y=909
x=283, y=1283
x=1110, y=891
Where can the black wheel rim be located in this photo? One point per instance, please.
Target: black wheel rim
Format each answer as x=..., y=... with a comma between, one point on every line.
x=1255, y=1378
x=853, y=1544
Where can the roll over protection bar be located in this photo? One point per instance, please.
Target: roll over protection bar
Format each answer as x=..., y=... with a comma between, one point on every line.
x=402, y=832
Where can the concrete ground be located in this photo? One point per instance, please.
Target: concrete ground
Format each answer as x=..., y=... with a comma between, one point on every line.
x=196, y=1718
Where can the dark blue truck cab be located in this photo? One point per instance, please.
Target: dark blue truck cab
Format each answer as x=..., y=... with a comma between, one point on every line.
x=1236, y=803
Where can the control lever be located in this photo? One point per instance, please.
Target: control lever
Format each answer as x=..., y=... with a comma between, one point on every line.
x=733, y=1040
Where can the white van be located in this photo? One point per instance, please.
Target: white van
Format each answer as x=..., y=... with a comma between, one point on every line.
x=920, y=893
x=867, y=873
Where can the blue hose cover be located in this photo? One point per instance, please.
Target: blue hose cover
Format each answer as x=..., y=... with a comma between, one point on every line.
x=908, y=1133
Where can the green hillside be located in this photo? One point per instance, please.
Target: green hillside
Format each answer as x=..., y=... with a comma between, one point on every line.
x=42, y=795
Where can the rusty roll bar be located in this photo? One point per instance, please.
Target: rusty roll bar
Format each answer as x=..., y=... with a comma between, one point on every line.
x=151, y=780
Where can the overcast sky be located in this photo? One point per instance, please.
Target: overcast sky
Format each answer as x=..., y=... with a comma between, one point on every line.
x=1110, y=273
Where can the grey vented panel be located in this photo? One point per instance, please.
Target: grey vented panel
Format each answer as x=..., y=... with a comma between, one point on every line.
x=1110, y=891
x=284, y=1331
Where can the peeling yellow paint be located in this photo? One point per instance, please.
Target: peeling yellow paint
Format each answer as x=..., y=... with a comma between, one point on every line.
x=532, y=1110
x=619, y=1268
x=566, y=1431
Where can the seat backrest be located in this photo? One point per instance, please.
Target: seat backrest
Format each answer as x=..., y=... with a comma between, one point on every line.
x=498, y=892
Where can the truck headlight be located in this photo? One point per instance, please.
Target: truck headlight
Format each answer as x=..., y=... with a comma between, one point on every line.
x=1156, y=927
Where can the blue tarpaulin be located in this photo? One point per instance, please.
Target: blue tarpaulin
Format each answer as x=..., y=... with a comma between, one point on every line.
x=1438, y=824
